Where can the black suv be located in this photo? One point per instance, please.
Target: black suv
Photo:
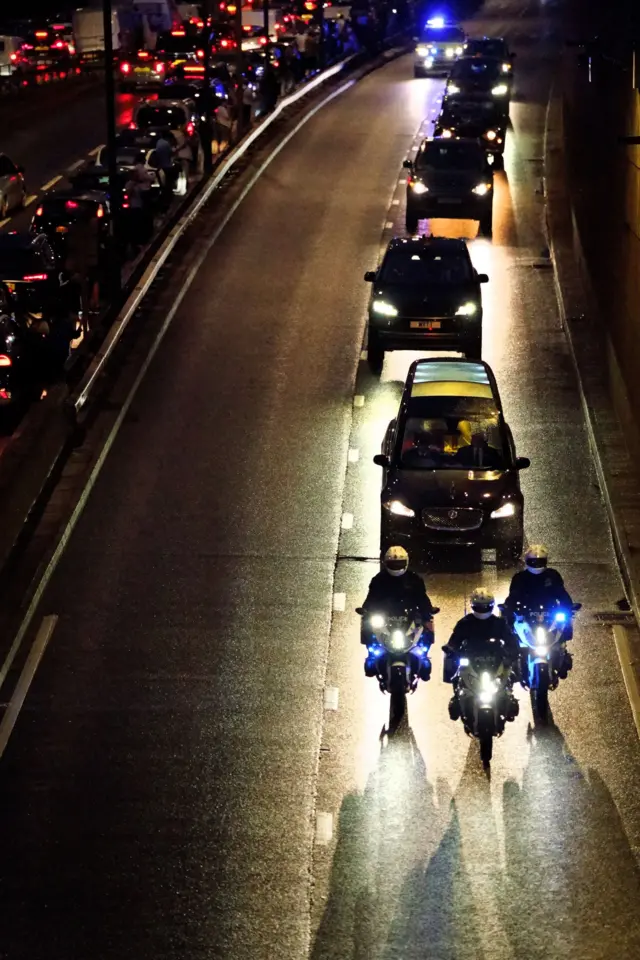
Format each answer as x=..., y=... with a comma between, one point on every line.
x=479, y=121
x=479, y=78
x=450, y=178
x=426, y=294
x=450, y=470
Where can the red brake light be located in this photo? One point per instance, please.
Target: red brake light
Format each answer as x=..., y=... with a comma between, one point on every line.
x=263, y=41
x=58, y=45
x=190, y=128
x=71, y=205
x=159, y=67
x=125, y=67
x=231, y=8
x=5, y=361
x=13, y=57
x=34, y=276
x=224, y=43
x=40, y=34
x=100, y=212
x=178, y=33
x=143, y=54
x=39, y=211
x=133, y=126
x=200, y=54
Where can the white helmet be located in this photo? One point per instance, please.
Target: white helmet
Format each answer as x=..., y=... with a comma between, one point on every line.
x=536, y=558
x=482, y=603
x=396, y=561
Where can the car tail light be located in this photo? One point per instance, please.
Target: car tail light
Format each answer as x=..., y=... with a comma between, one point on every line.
x=100, y=212
x=125, y=67
x=263, y=41
x=224, y=43
x=190, y=128
x=200, y=54
x=59, y=45
x=71, y=205
x=41, y=34
x=143, y=54
x=133, y=125
x=159, y=67
x=178, y=33
x=39, y=211
x=71, y=48
x=34, y=276
x=13, y=57
x=5, y=361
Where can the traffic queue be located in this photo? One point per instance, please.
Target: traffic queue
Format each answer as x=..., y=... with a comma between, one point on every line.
x=450, y=470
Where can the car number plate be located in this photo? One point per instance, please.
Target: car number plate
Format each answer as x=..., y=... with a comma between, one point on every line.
x=449, y=200
x=142, y=69
x=425, y=324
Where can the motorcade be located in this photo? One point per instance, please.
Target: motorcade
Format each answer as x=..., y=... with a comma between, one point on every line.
x=478, y=120
x=424, y=295
x=450, y=178
x=479, y=79
x=13, y=190
x=450, y=473
x=437, y=48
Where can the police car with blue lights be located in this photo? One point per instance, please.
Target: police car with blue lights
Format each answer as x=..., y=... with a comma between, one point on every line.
x=438, y=48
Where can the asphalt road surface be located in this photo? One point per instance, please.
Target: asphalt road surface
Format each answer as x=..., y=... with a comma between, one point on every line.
x=179, y=783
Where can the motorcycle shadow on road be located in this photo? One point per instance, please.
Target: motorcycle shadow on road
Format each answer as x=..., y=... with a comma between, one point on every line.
x=572, y=883
x=397, y=868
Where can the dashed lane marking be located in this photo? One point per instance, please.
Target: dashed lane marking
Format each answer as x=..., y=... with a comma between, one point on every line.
x=331, y=697
x=324, y=829
x=358, y=400
x=74, y=166
x=395, y=203
x=389, y=225
x=347, y=521
x=353, y=455
x=51, y=183
x=30, y=199
x=32, y=663
x=95, y=151
x=3, y=223
x=339, y=601
x=363, y=354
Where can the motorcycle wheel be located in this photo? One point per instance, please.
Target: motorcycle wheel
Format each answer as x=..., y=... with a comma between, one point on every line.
x=541, y=690
x=398, y=695
x=485, y=736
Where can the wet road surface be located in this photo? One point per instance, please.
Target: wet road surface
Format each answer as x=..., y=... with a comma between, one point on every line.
x=179, y=783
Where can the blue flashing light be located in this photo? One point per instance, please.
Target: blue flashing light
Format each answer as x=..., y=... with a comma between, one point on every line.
x=561, y=617
x=422, y=649
x=375, y=650
x=436, y=23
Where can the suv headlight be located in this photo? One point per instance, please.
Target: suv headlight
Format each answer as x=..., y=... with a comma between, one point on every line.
x=466, y=309
x=447, y=134
x=506, y=510
x=458, y=51
x=422, y=50
x=450, y=52
x=419, y=187
x=398, y=508
x=384, y=309
x=506, y=67
x=491, y=134
x=482, y=189
x=452, y=88
x=500, y=90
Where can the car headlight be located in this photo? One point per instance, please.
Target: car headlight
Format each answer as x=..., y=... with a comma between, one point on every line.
x=450, y=52
x=447, y=134
x=467, y=309
x=422, y=50
x=458, y=51
x=377, y=621
x=482, y=189
x=399, y=509
x=500, y=90
x=491, y=135
x=419, y=187
x=384, y=309
x=506, y=67
x=506, y=510
x=452, y=88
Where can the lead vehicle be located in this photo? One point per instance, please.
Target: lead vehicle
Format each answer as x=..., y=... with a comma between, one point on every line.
x=450, y=470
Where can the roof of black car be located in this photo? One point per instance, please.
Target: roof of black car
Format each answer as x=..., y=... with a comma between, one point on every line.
x=438, y=244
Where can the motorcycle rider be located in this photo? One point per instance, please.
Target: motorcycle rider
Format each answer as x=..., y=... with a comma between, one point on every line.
x=539, y=585
x=479, y=632
x=393, y=587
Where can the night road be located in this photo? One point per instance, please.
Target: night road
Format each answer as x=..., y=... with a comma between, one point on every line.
x=179, y=784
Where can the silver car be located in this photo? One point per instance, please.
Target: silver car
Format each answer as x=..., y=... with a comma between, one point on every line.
x=12, y=186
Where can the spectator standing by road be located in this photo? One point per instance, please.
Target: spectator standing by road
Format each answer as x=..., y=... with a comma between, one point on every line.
x=138, y=187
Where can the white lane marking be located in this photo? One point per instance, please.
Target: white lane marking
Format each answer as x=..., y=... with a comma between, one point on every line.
x=364, y=354
x=3, y=223
x=110, y=440
x=629, y=671
x=30, y=199
x=324, y=828
x=95, y=151
x=358, y=400
x=32, y=662
x=353, y=455
x=74, y=166
x=388, y=225
x=331, y=697
x=395, y=203
x=347, y=521
x=51, y=183
x=339, y=601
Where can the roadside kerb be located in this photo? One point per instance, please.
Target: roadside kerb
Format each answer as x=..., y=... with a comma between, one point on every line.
x=618, y=476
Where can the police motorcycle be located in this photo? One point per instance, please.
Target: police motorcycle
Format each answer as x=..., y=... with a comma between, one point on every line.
x=483, y=698
x=543, y=649
x=398, y=642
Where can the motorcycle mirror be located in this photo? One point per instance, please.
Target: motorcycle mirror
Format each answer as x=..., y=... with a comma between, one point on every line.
x=380, y=460
x=576, y=606
x=522, y=463
x=434, y=610
x=359, y=611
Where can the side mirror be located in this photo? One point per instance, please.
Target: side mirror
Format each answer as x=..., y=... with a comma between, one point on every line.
x=407, y=165
x=381, y=460
x=359, y=611
x=522, y=463
x=370, y=276
x=483, y=278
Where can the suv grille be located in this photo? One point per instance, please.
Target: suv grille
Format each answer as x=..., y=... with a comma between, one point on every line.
x=462, y=518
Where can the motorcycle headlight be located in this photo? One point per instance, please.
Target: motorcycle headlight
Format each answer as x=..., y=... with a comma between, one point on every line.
x=466, y=309
x=399, y=509
x=500, y=90
x=541, y=637
x=377, y=621
x=384, y=309
x=447, y=134
x=419, y=187
x=506, y=510
x=453, y=88
x=397, y=639
x=491, y=135
x=422, y=50
x=541, y=651
x=485, y=697
x=482, y=189
x=450, y=52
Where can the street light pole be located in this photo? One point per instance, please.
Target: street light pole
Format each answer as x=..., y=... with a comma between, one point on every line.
x=206, y=125
x=110, y=105
x=239, y=67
